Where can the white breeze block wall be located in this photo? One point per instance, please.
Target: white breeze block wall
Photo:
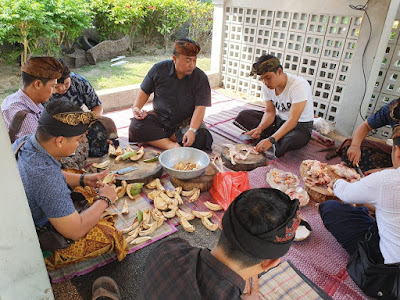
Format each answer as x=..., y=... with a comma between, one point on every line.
x=318, y=47
x=387, y=86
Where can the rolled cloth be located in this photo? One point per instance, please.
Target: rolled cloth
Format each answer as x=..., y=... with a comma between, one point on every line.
x=265, y=66
x=187, y=48
x=66, y=124
x=268, y=245
x=43, y=67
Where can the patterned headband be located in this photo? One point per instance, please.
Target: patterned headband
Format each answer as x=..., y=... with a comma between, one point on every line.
x=268, y=65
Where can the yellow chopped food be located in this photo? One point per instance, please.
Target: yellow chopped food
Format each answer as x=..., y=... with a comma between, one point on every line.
x=186, y=166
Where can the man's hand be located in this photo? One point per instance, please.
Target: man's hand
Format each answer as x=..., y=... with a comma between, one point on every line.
x=188, y=138
x=95, y=179
x=354, y=154
x=108, y=191
x=251, y=289
x=263, y=145
x=255, y=133
x=138, y=113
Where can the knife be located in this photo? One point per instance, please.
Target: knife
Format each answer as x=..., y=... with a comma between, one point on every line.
x=359, y=171
x=125, y=170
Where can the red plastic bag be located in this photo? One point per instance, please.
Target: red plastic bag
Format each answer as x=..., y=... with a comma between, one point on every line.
x=228, y=185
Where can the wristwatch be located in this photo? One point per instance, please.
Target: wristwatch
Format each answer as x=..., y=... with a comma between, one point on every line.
x=272, y=140
x=193, y=129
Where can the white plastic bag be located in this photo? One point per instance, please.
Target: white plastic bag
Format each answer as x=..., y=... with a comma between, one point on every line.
x=322, y=126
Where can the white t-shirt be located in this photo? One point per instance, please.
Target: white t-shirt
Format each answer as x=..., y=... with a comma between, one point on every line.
x=297, y=90
x=381, y=189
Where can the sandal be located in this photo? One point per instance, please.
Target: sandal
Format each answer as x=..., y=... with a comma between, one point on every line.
x=105, y=287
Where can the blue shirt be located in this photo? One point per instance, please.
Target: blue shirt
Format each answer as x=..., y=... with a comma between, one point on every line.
x=382, y=117
x=175, y=99
x=80, y=92
x=45, y=186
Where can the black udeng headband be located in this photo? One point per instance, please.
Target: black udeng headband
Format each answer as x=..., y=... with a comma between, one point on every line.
x=269, y=245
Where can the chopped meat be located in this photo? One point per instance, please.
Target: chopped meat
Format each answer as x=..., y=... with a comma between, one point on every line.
x=240, y=152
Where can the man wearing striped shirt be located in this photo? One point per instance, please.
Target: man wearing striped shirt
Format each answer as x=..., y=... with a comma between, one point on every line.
x=39, y=76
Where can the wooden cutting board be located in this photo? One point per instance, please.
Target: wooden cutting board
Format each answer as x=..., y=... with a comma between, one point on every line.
x=317, y=193
x=253, y=160
x=145, y=173
x=203, y=182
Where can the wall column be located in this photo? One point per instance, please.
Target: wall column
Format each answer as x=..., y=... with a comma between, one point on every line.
x=23, y=273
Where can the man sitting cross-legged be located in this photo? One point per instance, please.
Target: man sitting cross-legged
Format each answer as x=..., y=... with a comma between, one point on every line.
x=72, y=236
x=257, y=229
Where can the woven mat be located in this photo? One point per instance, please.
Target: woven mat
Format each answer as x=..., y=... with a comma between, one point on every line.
x=122, y=221
x=319, y=257
x=284, y=282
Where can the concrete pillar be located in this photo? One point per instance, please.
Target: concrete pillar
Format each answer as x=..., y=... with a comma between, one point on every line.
x=23, y=273
x=382, y=14
x=218, y=36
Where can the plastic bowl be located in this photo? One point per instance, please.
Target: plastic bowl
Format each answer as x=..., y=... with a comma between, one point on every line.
x=169, y=158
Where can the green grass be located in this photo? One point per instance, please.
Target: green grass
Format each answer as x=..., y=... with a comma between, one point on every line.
x=102, y=75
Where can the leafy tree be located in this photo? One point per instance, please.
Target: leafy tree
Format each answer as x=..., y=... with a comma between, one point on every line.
x=23, y=20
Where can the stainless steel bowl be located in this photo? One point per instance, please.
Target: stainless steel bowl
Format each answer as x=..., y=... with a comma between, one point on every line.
x=169, y=158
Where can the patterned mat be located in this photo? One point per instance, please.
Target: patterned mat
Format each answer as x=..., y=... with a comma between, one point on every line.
x=122, y=221
x=319, y=257
x=286, y=282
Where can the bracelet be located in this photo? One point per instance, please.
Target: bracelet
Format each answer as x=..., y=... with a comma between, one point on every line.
x=82, y=180
x=193, y=129
x=105, y=199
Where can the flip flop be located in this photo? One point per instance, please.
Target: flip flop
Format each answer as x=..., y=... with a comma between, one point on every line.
x=105, y=287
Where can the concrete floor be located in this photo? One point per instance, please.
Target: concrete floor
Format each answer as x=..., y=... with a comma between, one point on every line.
x=128, y=273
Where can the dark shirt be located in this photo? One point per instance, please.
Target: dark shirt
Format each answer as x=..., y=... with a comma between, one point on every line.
x=382, y=117
x=80, y=92
x=175, y=99
x=176, y=270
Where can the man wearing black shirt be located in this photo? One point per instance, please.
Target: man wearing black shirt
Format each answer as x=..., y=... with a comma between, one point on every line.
x=181, y=95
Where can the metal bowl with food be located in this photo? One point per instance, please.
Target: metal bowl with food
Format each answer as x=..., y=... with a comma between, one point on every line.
x=184, y=162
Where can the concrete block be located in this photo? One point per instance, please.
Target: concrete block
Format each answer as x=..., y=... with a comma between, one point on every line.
x=327, y=70
x=387, y=57
x=266, y=18
x=394, y=33
x=249, y=35
x=308, y=66
x=391, y=85
x=317, y=24
x=298, y=22
x=291, y=63
x=379, y=80
x=281, y=20
x=251, y=16
x=278, y=40
x=263, y=37
x=333, y=48
x=313, y=45
x=354, y=28
x=395, y=61
x=338, y=26
x=295, y=42
x=348, y=50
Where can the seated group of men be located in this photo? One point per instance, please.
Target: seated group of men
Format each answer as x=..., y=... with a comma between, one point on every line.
x=259, y=225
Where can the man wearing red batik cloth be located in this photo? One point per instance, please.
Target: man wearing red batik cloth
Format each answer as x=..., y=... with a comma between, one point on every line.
x=181, y=94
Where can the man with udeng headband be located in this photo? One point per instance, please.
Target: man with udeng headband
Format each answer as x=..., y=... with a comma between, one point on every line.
x=287, y=122
x=21, y=110
x=257, y=229
x=181, y=95
x=81, y=234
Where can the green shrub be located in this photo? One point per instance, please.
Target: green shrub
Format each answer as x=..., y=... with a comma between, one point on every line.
x=200, y=20
x=116, y=17
x=41, y=26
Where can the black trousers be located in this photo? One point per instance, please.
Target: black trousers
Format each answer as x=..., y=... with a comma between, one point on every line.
x=152, y=128
x=293, y=140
